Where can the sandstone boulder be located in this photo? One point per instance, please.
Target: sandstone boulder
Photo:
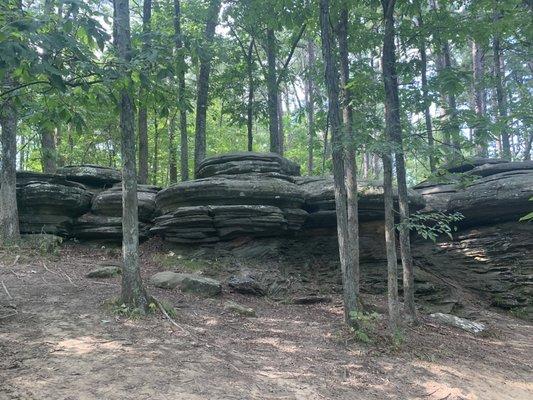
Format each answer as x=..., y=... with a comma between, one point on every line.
x=104, y=228
x=249, y=189
x=239, y=163
x=49, y=205
x=109, y=202
x=94, y=176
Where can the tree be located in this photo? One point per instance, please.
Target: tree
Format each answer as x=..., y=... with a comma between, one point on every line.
x=350, y=166
x=394, y=134
x=9, y=223
x=332, y=84
x=203, y=83
x=310, y=102
x=133, y=292
x=143, y=110
x=182, y=104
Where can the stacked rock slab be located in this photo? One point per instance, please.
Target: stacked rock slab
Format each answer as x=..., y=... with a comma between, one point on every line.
x=491, y=252
x=94, y=177
x=104, y=221
x=238, y=194
x=255, y=194
x=48, y=203
x=485, y=191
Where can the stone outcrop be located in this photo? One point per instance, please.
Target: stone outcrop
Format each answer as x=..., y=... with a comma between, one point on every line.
x=239, y=163
x=320, y=201
x=484, y=194
x=104, y=221
x=256, y=195
x=92, y=176
x=48, y=203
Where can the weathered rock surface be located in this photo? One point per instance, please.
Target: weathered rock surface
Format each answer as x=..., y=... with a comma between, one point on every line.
x=496, y=192
x=109, y=202
x=48, y=203
x=246, y=285
x=494, y=261
x=239, y=309
x=457, y=322
x=187, y=282
x=245, y=163
x=320, y=201
x=250, y=189
x=94, y=176
x=100, y=227
x=104, y=271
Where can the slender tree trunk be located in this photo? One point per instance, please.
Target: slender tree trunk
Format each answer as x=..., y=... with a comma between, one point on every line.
x=479, y=134
x=350, y=167
x=452, y=128
x=500, y=98
x=250, y=103
x=133, y=292
x=172, y=165
x=394, y=133
x=310, y=91
x=280, y=121
x=332, y=84
x=425, y=97
x=527, y=147
x=182, y=105
x=272, y=93
x=390, y=245
x=9, y=222
x=143, y=111
x=200, y=146
x=155, y=163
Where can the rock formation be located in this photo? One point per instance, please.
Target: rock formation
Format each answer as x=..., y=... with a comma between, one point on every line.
x=92, y=176
x=257, y=195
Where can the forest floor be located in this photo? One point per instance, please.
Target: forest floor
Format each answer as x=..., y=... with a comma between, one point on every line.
x=63, y=343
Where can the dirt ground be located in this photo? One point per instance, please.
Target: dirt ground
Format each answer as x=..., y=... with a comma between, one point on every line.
x=59, y=341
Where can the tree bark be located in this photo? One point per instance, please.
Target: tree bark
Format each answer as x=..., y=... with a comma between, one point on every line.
x=9, y=222
x=350, y=167
x=182, y=105
x=133, y=293
x=272, y=93
x=479, y=134
x=332, y=84
x=155, y=163
x=500, y=98
x=394, y=133
x=390, y=245
x=143, y=111
x=172, y=165
x=425, y=98
x=527, y=147
x=310, y=92
x=200, y=146
x=250, y=102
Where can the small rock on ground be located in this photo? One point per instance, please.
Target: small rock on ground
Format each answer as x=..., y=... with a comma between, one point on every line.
x=239, y=309
x=187, y=282
x=166, y=279
x=104, y=271
x=461, y=323
x=246, y=285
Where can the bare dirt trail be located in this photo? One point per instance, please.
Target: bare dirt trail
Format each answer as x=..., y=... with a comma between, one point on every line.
x=63, y=344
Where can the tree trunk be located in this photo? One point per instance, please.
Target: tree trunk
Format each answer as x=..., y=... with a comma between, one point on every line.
x=350, y=167
x=48, y=145
x=9, y=222
x=250, y=103
x=390, y=245
x=133, y=292
x=143, y=112
x=394, y=133
x=310, y=91
x=200, y=146
x=527, y=147
x=272, y=93
x=155, y=163
x=332, y=84
x=425, y=97
x=172, y=165
x=182, y=105
x=479, y=134
x=452, y=129
x=280, y=121
x=500, y=98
